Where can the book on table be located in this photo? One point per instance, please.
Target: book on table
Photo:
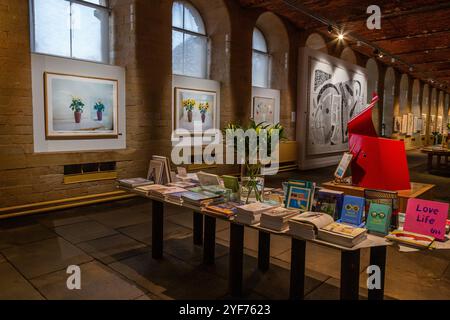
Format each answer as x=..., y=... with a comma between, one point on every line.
x=342, y=234
x=164, y=191
x=379, y=218
x=307, y=224
x=352, y=211
x=330, y=202
x=410, y=238
x=183, y=184
x=299, y=195
x=226, y=209
x=251, y=213
x=134, y=182
x=277, y=218
x=199, y=199
x=145, y=190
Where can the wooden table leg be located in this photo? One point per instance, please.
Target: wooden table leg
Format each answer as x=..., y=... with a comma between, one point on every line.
x=157, y=229
x=378, y=258
x=235, y=271
x=438, y=164
x=209, y=246
x=198, y=228
x=298, y=259
x=263, y=251
x=430, y=162
x=350, y=275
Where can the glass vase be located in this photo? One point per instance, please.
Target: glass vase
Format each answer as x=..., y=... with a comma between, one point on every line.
x=252, y=189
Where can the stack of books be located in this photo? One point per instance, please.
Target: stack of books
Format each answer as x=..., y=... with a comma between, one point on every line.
x=343, y=234
x=226, y=209
x=307, y=224
x=197, y=199
x=251, y=213
x=162, y=191
x=277, y=218
x=134, y=182
x=145, y=190
x=183, y=184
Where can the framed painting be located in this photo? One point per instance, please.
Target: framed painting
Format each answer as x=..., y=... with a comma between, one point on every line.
x=410, y=124
x=404, y=124
x=335, y=96
x=79, y=107
x=195, y=110
x=424, y=124
x=264, y=110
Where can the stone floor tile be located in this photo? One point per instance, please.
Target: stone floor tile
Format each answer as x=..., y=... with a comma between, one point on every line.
x=143, y=232
x=62, y=218
x=84, y=231
x=39, y=258
x=171, y=277
x=329, y=290
x=113, y=248
x=185, y=219
x=116, y=218
x=13, y=286
x=98, y=282
x=24, y=234
x=184, y=249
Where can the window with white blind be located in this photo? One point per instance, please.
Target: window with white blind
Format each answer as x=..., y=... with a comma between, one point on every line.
x=260, y=61
x=189, y=41
x=71, y=28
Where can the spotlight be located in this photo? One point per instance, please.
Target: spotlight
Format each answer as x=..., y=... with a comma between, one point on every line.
x=392, y=60
x=340, y=36
x=381, y=55
x=411, y=69
x=330, y=28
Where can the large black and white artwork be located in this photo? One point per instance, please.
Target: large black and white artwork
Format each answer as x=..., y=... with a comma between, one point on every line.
x=335, y=96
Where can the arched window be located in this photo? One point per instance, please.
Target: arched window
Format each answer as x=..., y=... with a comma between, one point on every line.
x=189, y=41
x=260, y=61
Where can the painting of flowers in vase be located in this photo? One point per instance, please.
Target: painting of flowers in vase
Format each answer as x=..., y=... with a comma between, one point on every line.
x=79, y=107
x=195, y=110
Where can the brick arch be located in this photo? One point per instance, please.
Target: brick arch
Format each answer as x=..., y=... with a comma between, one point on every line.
x=317, y=42
x=348, y=55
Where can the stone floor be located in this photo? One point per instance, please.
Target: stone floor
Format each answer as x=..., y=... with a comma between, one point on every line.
x=112, y=244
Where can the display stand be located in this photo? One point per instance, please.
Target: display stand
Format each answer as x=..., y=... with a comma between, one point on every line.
x=418, y=190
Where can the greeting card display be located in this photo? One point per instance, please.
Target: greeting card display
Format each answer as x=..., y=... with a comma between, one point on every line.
x=352, y=210
x=379, y=218
x=426, y=217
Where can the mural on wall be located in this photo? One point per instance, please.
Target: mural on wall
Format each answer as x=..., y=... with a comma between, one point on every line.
x=195, y=106
x=80, y=107
x=264, y=110
x=335, y=96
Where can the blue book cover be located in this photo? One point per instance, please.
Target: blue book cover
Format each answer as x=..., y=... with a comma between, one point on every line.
x=352, y=210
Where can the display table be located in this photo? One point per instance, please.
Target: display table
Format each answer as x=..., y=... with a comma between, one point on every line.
x=204, y=231
x=439, y=153
x=418, y=190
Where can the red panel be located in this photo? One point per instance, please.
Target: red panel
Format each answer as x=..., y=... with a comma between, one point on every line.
x=378, y=163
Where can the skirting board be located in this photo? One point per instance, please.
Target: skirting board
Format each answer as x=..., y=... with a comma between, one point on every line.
x=48, y=206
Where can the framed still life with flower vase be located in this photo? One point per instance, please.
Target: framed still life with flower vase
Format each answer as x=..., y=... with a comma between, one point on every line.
x=195, y=110
x=80, y=107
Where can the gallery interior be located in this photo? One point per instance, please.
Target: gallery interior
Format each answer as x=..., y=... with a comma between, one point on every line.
x=351, y=96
